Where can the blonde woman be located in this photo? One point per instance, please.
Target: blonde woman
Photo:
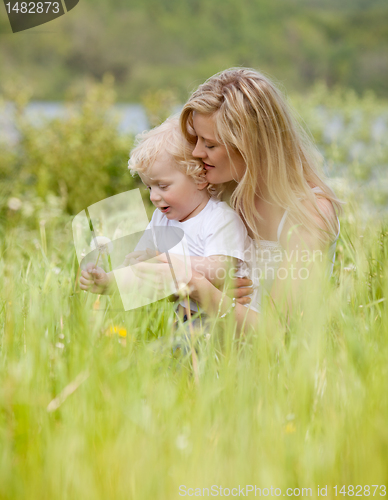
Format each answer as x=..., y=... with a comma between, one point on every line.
x=252, y=148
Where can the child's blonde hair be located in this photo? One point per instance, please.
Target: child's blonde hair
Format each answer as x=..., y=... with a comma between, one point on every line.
x=252, y=117
x=166, y=138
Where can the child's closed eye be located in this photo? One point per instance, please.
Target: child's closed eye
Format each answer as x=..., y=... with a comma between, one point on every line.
x=161, y=186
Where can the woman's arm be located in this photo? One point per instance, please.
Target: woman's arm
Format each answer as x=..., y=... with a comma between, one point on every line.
x=215, y=268
x=304, y=260
x=217, y=302
x=303, y=266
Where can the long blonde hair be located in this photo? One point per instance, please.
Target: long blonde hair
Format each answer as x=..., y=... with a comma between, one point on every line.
x=252, y=116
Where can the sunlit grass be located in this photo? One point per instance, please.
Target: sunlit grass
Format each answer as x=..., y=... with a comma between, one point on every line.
x=293, y=409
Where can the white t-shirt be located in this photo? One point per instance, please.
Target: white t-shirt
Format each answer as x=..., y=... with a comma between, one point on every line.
x=216, y=230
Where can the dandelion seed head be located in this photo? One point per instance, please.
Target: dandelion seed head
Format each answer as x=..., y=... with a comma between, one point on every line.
x=103, y=244
x=14, y=204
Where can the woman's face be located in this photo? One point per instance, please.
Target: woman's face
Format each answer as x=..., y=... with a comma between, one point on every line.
x=222, y=164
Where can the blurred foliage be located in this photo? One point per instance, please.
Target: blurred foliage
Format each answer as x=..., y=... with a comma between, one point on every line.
x=350, y=132
x=164, y=44
x=66, y=163
x=159, y=105
x=62, y=165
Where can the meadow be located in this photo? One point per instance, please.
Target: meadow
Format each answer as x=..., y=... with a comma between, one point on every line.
x=93, y=401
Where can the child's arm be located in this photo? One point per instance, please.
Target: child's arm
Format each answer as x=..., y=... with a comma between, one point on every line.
x=96, y=280
x=218, y=269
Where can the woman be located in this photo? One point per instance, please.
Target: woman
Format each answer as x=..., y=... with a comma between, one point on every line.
x=249, y=142
x=252, y=147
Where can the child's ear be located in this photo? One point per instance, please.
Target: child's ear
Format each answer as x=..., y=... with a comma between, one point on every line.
x=202, y=185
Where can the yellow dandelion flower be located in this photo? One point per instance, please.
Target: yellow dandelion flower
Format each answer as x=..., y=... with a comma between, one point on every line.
x=122, y=332
x=116, y=330
x=290, y=428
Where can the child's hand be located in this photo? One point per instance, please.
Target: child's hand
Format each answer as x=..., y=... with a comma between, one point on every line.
x=132, y=258
x=94, y=279
x=139, y=256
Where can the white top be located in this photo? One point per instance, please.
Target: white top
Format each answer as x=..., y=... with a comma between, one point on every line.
x=216, y=230
x=267, y=257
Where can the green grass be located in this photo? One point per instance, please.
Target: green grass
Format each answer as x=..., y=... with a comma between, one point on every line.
x=289, y=410
x=86, y=415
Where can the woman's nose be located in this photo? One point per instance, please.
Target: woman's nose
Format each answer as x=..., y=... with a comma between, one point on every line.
x=199, y=151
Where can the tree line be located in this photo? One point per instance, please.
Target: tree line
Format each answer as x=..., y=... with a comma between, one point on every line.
x=176, y=44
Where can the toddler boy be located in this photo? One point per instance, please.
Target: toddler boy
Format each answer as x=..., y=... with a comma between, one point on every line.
x=216, y=237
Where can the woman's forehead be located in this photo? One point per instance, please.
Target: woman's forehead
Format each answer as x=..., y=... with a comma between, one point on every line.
x=204, y=126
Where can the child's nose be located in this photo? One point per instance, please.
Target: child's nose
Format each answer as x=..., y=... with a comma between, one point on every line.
x=154, y=196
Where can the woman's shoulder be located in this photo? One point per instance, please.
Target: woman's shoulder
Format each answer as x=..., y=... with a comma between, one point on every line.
x=326, y=223
x=326, y=207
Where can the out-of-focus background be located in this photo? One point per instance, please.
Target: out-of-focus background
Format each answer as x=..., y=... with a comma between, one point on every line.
x=175, y=44
x=75, y=91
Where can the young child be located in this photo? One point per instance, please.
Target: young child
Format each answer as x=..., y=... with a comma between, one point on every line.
x=216, y=237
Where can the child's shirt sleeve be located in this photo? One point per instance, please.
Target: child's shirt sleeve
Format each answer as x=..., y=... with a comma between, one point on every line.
x=225, y=234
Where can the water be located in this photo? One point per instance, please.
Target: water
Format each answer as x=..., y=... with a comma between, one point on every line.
x=131, y=118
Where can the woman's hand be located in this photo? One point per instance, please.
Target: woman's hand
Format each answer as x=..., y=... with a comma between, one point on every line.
x=241, y=288
x=156, y=273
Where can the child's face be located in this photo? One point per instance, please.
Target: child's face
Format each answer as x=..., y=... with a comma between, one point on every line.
x=175, y=194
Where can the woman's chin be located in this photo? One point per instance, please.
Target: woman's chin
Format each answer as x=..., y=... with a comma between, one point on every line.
x=212, y=177
x=215, y=179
